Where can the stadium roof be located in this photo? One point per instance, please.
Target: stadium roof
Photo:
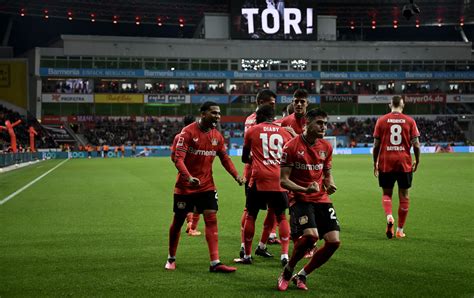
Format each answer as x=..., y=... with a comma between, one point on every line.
x=190, y=12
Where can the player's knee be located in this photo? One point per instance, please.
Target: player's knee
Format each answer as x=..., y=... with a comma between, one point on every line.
x=210, y=218
x=333, y=245
x=309, y=240
x=281, y=217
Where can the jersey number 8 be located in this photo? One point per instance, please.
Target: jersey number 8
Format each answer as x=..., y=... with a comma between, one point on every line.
x=395, y=134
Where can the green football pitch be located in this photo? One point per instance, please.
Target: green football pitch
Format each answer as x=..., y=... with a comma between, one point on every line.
x=100, y=228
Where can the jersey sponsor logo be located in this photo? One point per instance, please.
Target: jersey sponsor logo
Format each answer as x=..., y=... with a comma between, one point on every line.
x=308, y=167
x=180, y=142
x=300, y=153
x=303, y=220
x=322, y=154
x=395, y=148
x=181, y=205
x=214, y=142
x=202, y=152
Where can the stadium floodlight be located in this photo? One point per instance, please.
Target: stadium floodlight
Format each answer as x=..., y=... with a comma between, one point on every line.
x=410, y=10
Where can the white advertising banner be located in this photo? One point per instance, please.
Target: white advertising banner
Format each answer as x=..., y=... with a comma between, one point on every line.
x=167, y=98
x=377, y=98
x=459, y=98
x=67, y=98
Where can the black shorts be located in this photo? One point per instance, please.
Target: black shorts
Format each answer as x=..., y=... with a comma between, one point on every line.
x=196, y=202
x=387, y=180
x=261, y=200
x=321, y=216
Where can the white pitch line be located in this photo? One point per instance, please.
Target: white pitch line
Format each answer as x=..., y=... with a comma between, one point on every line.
x=29, y=184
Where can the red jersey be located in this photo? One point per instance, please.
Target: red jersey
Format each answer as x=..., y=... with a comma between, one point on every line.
x=395, y=131
x=250, y=121
x=265, y=141
x=294, y=122
x=194, y=154
x=308, y=163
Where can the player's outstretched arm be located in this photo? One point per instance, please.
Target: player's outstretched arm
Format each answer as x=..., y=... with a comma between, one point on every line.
x=246, y=155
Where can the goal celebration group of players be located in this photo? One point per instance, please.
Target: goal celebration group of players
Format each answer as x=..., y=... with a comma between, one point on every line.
x=287, y=165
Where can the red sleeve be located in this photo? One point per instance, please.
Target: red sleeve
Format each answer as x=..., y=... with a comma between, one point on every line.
x=414, y=132
x=225, y=159
x=247, y=138
x=180, y=154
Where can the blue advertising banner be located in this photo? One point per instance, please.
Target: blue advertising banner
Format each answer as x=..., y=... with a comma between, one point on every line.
x=251, y=75
x=205, y=97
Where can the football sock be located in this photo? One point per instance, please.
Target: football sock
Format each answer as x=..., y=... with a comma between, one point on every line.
x=284, y=256
x=242, y=227
x=215, y=262
x=267, y=225
x=274, y=228
x=400, y=230
x=301, y=246
x=189, y=217
x=272, y=235
x=390, y=217
x=387, y=204
x=403, y=211
x=171, y=259
x=211, y=235
x=302, y=272
x=195, y=221
x=174, y=233
x=284, y=229
x=249, y=232
x=261, y=245
x=321, y=256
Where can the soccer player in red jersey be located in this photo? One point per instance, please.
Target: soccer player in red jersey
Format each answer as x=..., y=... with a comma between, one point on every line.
x=192, y=219
x=306, y=171
x=394, y=135
x=264, y=97
x=196, y=148
x=264, y=143
x=297, y=120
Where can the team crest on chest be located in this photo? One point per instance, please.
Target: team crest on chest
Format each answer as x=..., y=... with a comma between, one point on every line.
x=214, y=142
x=322, y=154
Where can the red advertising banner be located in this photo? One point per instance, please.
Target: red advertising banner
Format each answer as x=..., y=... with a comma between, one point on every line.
x=425, y=98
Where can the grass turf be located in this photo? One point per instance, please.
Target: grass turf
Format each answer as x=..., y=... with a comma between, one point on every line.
x=100, y=228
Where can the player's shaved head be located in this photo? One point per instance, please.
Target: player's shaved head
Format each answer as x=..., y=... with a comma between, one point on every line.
x=397, y=101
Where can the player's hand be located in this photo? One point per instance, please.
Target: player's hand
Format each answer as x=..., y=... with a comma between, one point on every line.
x=414, y=166
x=240, y=180
x=291, y=131
x=312, y=188
x=376, y=170
x=330, y=189
x=194, y=181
